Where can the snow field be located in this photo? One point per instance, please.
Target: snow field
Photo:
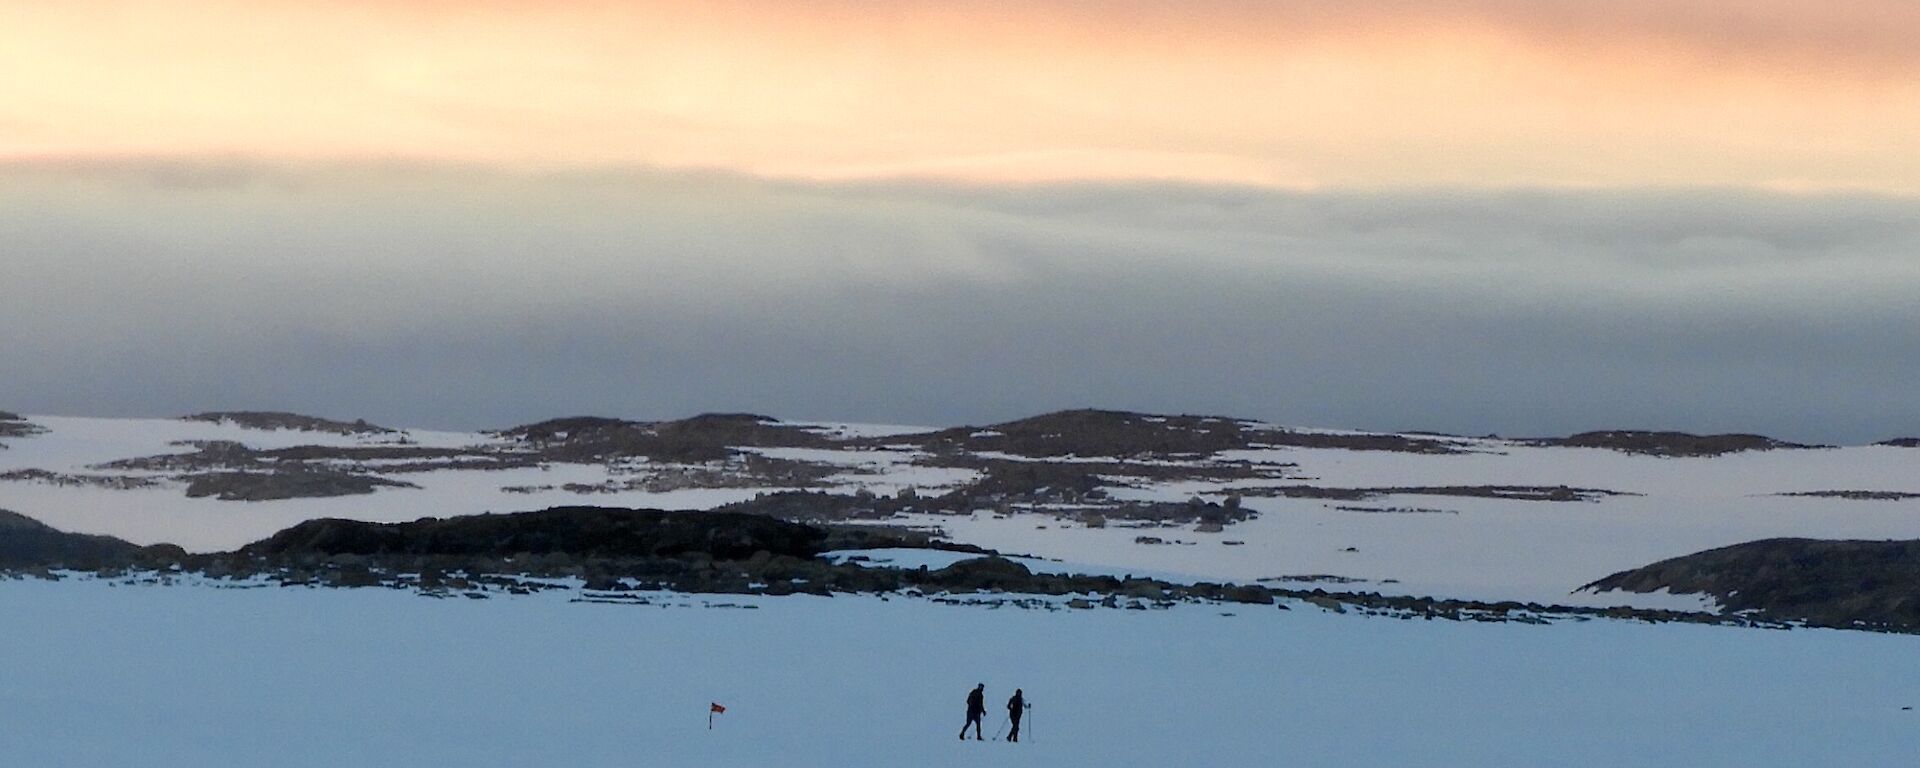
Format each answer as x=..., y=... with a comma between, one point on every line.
x=99, y=676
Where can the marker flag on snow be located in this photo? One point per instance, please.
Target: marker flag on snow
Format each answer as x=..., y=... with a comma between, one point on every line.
x=713, y=709
x=719, y=710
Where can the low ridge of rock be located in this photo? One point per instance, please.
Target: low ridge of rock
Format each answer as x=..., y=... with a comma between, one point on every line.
x=1671, y=444
x=703, y=438
x=1831, y=583
x=982, y=573
x=278, y=420
x=278, y=485
x=15, y=425
x=26, y=542
x=1089, y=432
x=596, y=532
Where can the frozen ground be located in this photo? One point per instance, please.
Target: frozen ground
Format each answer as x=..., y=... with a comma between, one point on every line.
x=1481, y=548
x=96, y=676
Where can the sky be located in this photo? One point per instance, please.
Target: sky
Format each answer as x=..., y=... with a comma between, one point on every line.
x=1461, y=215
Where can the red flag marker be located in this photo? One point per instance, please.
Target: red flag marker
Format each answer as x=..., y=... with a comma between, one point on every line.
x=713, y=709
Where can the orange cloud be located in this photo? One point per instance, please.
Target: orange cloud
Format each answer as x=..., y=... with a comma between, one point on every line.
x=1775, y=93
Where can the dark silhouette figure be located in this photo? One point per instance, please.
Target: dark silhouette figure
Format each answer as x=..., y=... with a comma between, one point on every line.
x=976, y=709
x=1016, y=707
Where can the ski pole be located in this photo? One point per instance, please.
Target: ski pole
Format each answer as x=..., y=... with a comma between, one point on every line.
x=1000, y=730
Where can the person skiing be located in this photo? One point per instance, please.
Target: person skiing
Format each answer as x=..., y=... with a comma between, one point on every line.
x=976, y=710
x=1016, y=707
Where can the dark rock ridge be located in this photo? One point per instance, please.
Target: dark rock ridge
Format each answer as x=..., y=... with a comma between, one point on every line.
x=825, y=507
x=62, y=479
x=29, y=543
x=275, y=486
x=12, y=425
x=850, y=536
x=1122, y=434
x=274, y=420
x=1901, y=442
x=217, y=455
x=743, y=470
x=1395, y=510
x=1027, y=477
x=1674, y=444
x=1828, y=583
x=1060, y=488
x=1510, y=492
x=232, y=470
x=590, y=532
x=1855, y=495
x=707, y=437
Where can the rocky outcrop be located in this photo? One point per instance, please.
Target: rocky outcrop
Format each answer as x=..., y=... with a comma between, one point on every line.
x=1829, y=583
x=1092, y=432
x=1510, y=492
x=981, y=574
x=12, y=425
x=703, y=438
x=824, y=507
x=67, y=480
x=1855, y=495
x=29, y=543
x=277, y=485
x=1122, y=434
x=1670, y=444
x=580, y=532
x=1092, y=507
x=216, y=455
x=275, y=420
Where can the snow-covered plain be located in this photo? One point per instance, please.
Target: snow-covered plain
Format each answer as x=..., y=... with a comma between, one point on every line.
x=99, y=676
x=1468, y=547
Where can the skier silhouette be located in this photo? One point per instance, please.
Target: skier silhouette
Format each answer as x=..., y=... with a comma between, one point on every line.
x=1016, y=707
x=976, y=709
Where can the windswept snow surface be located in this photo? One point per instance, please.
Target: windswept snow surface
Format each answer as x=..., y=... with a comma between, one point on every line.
x=95, y=676
x=1448, y=546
